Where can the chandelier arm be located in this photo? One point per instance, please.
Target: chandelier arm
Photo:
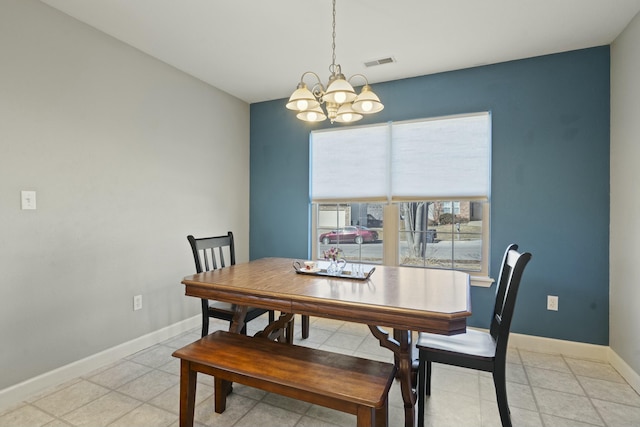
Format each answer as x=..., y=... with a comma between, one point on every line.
x=306, y=73
x=366, y=82
x=317, y=89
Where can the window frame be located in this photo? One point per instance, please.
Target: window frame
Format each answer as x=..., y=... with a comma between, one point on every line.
x=391, y=239
x=390, y=229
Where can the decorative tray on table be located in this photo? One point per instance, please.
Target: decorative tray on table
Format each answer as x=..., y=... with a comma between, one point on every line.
x=321, y=270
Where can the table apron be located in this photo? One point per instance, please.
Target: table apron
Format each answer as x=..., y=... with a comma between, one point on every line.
x=267, y=302
x=383, y=317
x=369, y=315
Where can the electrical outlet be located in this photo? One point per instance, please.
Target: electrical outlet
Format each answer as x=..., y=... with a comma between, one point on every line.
x=137, y=302
x=552, y=302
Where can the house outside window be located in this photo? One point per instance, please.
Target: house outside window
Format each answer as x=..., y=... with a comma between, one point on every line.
x=450, y=207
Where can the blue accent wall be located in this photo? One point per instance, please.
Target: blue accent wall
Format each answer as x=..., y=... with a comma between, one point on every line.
x=550, y=179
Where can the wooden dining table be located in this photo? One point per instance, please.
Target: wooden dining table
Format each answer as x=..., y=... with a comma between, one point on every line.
x=402, y=299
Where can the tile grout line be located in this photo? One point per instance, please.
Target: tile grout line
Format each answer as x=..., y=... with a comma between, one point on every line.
x=586, y=393
x=151, y=360
x=60, y=417
x=533, y=395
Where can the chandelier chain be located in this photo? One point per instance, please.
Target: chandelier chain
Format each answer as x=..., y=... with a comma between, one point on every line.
x=333, y=37
x=337, y=100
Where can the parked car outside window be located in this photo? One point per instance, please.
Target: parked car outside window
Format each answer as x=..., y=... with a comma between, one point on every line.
x=355, y=234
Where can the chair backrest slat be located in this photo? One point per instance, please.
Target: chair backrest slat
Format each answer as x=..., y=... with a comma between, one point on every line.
x=513, y=264
x=221, y=257
x=205, y=254
x=206, y=259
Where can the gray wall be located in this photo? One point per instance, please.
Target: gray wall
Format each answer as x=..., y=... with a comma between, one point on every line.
x=625, y=197
x=125, y=155
x=550, y=179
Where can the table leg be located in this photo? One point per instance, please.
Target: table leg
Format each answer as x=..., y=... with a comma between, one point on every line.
x=237, y=323
x=401, y=347
x=238, y=319
x=275, y=330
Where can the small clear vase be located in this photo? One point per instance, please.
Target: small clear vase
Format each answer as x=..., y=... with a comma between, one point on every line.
x=333, y=267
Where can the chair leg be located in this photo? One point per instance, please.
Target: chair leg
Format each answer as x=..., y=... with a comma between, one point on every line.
x=272, y=317
x=305, y=326
x=205, y=326
x=205, y=318
x=427, y=388
x=499, y=381
x=421, y=391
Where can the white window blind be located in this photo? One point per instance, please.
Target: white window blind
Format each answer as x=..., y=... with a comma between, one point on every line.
x=447, y=157
x=350, y=163
x=441, y=158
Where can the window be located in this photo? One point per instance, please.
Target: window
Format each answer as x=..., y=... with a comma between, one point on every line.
x=354, y=228
x=432, y=236
x=422, y=186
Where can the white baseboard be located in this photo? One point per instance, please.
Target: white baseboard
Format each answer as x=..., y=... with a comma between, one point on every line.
x=578, y=350
x=632, y=377
x=15, y=394
x=575, y=349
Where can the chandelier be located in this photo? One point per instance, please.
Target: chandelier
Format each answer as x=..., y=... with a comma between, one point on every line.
x=341, y=104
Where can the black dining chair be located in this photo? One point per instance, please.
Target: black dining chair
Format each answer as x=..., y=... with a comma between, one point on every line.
x=209, y=254
x=484, y=351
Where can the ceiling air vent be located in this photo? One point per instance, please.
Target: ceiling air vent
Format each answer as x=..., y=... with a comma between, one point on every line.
x=380, y=61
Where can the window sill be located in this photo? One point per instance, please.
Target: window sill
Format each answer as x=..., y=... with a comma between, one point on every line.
x=481, y=281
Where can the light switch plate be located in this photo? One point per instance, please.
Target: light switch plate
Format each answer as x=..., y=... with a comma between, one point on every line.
x=137, y=302
x=28, y=200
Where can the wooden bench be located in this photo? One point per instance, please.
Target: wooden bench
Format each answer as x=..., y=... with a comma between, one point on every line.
x=345, y=383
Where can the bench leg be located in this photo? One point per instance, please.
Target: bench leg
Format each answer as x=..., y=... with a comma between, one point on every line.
x=187, y=393
x=382, y=415
x=221, y=389
x=366, y=417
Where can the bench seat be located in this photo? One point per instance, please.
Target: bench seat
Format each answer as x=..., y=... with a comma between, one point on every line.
x=346, y=383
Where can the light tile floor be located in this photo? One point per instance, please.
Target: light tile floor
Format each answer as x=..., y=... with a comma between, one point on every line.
x=143, y=390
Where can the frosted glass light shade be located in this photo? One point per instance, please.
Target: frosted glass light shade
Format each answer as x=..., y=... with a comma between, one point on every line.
x=339, y=91
x=347, y=115
x=312, y=115
x=302, y=99
x=367, y=102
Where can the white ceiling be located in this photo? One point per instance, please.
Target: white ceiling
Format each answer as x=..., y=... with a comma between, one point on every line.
x=257, y=50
